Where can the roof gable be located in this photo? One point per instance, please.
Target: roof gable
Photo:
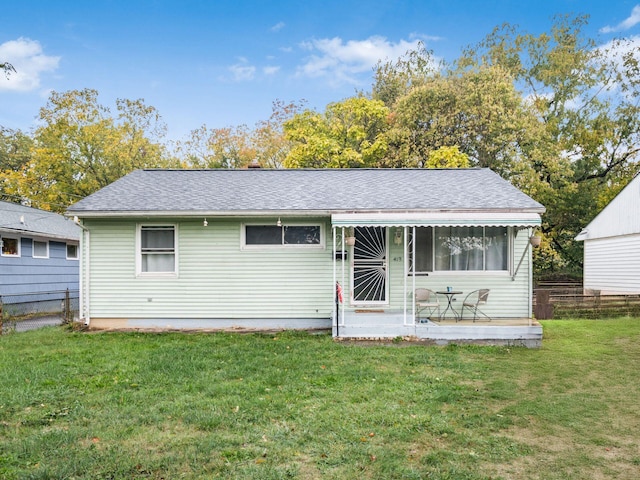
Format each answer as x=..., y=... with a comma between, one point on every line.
x=620, y=217
x=262, y=191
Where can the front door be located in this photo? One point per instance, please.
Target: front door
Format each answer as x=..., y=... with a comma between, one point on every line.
x=370, y=272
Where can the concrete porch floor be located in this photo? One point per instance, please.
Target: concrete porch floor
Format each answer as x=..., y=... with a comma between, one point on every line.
x=499, y=331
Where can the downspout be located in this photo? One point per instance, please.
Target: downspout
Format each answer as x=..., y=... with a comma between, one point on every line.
x=84, y=272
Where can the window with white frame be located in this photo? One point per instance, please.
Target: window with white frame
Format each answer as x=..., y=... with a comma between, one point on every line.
x=289, y=235
x=443, y=249
x=157, y=249
x=40, y=249
x=72, y=251
x=10, y=246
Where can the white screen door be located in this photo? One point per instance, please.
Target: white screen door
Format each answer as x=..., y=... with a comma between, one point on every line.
x=370, y=265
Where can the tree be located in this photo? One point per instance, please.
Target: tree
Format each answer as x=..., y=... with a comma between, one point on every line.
x=228, y=147
x=478, y=110
x=15, y=152
x=447, y=157
x=586, y=99
x=349, y=134
x=80, y=148
x=239, y=146
x=7, y=68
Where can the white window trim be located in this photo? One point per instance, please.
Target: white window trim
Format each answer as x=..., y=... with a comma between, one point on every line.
x=19, y=243
x=33, y=248
x=287, y=246
x=66, y=247
x=449, y=273
x=139, y=272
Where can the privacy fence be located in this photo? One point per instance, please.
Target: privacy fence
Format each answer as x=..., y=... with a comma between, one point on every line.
x=27, y=311
x=570, y=300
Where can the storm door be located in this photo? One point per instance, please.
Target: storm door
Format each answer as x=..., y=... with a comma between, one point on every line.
x=370, y=272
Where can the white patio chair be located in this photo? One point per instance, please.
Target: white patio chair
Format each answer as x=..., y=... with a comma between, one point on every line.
x=474, y=301
x=426, y=299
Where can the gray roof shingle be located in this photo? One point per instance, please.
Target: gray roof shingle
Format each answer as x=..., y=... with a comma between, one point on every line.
x=36, y=222
x=325, y=190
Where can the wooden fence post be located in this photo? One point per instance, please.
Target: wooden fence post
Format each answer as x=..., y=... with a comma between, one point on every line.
x=67, y=307
x=544, y=308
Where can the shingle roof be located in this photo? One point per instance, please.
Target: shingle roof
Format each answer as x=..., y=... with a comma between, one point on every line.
x=328, y=190
x=27, y=220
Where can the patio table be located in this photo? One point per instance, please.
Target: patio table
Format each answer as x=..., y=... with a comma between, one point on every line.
x=450, y=294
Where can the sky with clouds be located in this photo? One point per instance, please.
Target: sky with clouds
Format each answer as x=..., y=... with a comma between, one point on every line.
x=221, y=63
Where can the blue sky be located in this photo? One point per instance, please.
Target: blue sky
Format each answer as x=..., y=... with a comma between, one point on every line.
x=223, y=63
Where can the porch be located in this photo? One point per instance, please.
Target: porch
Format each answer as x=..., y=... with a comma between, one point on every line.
x=392, y=324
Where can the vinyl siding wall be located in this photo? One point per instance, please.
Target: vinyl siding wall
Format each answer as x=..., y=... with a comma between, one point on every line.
x=216, y=277
x=25, y=274
x=612, y=265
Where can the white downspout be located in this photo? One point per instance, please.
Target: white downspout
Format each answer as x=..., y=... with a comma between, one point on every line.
x=85, y=282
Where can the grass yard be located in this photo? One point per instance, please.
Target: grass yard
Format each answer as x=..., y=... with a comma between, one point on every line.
x=292, y=405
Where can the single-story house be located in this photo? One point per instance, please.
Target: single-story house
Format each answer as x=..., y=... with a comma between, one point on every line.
x=612, y=245
x=39, y=260
x=302, y=249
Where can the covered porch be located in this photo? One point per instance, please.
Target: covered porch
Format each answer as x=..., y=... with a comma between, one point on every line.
x=378, y=266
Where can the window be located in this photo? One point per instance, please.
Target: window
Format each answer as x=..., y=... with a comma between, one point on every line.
x=291, y=235
x=461, y=249
x=10, y=247
x=40, y=249
x=157, y=252
x=72, y=251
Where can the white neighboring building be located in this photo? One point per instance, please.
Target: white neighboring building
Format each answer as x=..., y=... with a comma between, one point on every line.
x=612, y=245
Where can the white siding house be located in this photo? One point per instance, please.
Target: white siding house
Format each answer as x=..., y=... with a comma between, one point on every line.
x=265, y=249
x=612, y=245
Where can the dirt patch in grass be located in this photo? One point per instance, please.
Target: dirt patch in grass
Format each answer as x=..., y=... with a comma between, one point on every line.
x=560, y=454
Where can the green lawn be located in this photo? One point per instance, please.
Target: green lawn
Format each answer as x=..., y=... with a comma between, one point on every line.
x=292, y=405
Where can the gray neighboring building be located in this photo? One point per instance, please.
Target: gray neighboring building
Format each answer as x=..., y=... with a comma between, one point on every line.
x=264, y=249
x=40, y=254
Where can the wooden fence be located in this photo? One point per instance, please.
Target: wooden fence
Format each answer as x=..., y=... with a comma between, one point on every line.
x=569, y=300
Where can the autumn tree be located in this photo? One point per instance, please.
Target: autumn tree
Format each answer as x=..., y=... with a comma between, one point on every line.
x=349, y=134
x=81, y=148
x=240, y=146
x=15, y=152
x=586, y=99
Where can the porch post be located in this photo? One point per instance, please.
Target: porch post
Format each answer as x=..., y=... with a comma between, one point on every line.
x=413, y=271
x=342, y=246
x=335, y=281
x=405, y=269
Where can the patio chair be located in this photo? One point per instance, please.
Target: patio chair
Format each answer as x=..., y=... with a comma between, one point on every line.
x=474, y=301
x=426, y=299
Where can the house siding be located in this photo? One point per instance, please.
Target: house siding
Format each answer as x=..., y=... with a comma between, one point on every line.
x=612, y=265
x=27, y=275
x=216, y=279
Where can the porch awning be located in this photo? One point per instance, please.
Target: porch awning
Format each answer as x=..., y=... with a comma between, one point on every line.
x=437, y=219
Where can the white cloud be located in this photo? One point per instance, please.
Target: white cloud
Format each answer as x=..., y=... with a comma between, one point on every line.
x=242, y=71
x=626, y=24
x=271, y=70
x=29, y=61
x=343, y=62
x=277, y=27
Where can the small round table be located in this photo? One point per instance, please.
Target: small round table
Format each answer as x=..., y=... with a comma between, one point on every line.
x=450, y=294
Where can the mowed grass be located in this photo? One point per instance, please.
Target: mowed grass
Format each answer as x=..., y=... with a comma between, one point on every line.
x=293, y=405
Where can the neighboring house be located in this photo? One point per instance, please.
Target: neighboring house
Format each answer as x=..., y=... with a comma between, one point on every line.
x=612, y=245
x=39, y=260
x=264, y=249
